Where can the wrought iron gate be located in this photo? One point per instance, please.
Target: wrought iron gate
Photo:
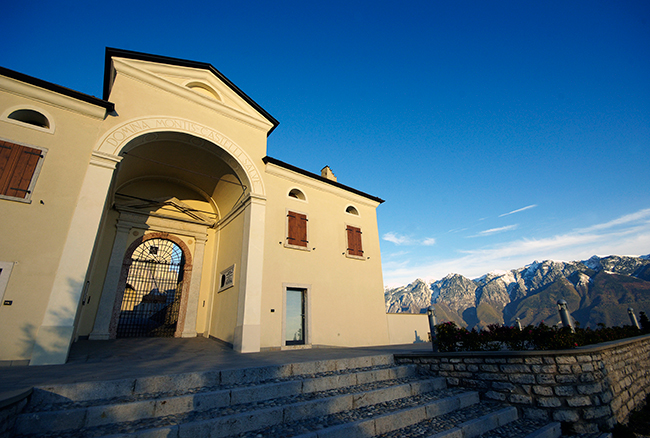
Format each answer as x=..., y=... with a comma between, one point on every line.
x=152, y=296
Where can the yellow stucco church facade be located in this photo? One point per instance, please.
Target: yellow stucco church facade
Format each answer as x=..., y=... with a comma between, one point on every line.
x=156, y=211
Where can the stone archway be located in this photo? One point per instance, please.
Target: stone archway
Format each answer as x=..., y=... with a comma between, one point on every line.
x=132, y=223
x=139, y=140
x=146, y=129
x=127, y=269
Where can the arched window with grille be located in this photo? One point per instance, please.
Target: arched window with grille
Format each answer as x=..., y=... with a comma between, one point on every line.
x=152, y=294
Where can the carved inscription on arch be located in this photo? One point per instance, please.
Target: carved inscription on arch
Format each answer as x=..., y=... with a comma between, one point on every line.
x=115, y=140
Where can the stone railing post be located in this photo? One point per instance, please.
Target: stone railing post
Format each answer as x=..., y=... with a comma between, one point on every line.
x=633, y=320
x=431, y=313
x=564, y=314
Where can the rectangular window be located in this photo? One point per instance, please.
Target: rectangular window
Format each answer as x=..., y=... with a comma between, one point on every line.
x=355, y=247
x=297, y=229
x=295, y=317
x=19, y=167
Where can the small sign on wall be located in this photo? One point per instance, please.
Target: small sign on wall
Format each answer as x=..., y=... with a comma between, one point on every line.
x=227, y=278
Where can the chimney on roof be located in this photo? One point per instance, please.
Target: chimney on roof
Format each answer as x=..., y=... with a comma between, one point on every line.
x=326, y=172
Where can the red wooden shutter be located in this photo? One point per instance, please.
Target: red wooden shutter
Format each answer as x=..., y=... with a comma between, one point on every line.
x=355, y=247
x=5, y=155
x=17, y=166
x=297, y=229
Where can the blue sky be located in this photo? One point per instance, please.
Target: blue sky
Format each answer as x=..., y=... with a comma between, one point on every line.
x=498, y=132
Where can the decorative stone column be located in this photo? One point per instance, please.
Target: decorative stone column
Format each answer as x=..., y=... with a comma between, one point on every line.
x=249, y=305
x=189, y=327
x=105, y=309
x=54, y=336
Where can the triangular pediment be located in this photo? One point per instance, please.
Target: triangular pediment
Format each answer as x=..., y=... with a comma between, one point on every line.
x=195, y=81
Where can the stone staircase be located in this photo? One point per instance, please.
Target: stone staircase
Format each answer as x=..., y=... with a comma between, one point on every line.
x=358, y=397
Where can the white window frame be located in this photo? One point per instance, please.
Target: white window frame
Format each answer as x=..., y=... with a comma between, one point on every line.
x=297, y=199
x=357, y=214
x=347, y=243
x=286, y=230
x=50, y=119
x=307, y=335
x=37, y=171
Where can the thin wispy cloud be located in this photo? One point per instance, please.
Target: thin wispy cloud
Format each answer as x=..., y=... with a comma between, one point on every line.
x=626, y=235
x=628, y=218
x=492, y=231
x=528, y=207
x=399, y=239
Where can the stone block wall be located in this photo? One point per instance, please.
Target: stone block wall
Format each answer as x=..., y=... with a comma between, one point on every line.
x=588, y=388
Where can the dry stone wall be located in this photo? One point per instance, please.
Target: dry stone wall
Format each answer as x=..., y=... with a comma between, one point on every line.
x=588, y=388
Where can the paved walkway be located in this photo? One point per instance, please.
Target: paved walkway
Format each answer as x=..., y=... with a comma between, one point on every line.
x=127, y=358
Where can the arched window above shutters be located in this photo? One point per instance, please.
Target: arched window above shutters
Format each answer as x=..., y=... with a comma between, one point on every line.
x=352, y=210
x=30, y=117
x=297, y=194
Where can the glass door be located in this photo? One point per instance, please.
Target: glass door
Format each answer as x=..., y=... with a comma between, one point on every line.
x=295, y=323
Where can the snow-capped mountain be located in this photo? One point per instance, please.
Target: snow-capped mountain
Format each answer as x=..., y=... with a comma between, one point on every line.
x=597, y=290
x=411, y=298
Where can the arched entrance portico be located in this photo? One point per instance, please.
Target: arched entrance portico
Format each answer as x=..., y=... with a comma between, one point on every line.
x=191, y=189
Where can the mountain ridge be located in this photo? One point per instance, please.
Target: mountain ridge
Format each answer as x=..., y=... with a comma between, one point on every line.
x=598, y=290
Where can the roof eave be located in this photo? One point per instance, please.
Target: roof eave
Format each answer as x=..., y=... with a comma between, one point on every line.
x=108, y=106
x=293, y=168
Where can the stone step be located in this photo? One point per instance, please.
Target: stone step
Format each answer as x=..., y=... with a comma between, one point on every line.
x=225, y=401
x=360, y=397
x=394, y=424
x=593, y=435
x=232, y=394
x=526, y=428
x=470, y=421
x=88, y=393
x=282, y=422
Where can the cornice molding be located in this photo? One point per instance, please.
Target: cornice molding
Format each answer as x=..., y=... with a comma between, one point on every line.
x=50, y=97
x=102, y=159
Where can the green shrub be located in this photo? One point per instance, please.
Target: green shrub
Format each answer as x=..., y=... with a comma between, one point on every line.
x=450, y=337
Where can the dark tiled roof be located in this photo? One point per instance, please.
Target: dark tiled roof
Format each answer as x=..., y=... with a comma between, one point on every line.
x=109, y=106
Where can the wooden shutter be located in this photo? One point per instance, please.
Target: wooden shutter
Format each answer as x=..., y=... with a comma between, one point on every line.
x=355, y=247
x=297, y=229
x=17, y=166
